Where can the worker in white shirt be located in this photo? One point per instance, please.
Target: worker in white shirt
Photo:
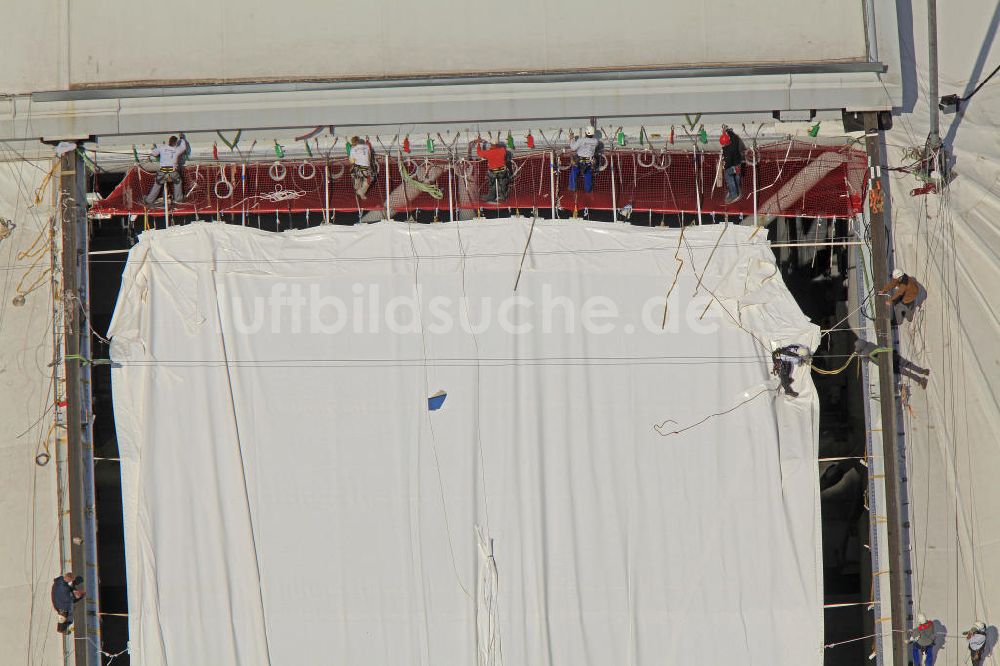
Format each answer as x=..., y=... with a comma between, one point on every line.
x=976, y=636
x=170, y=154
x=585, y=148
x=361, y=166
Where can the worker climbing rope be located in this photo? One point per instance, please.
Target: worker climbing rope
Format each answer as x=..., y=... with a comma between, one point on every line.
x=976, y=639
x=784, y=361
x=362, y=174
x=904, y=294
x=171, y=155
x=869, y=350
x=498, y=160
x=585, y=151
x=923, y=639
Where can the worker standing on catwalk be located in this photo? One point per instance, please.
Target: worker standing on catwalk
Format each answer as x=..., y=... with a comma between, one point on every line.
x=732, y=159
x=497, y=161
x=903, y=293
x=585, y=149
x=976, y=637
x=361, y=166
x=922, y=637
x=170, y=155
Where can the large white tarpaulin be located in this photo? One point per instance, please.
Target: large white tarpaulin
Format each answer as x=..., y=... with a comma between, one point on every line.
x=291, y=498
x=950, y=242
x=29, y=511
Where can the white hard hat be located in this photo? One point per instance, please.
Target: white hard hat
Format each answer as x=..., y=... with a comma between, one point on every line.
x=896, y=274
x=590, y=130
x=921, y=618
x=979, y=626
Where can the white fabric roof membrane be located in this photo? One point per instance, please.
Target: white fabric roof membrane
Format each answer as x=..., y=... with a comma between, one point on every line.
x=951, y=243
x=29, y=512
x=289, y=497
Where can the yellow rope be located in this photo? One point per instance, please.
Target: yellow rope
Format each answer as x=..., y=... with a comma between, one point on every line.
x=40, y=192
x=838, y=370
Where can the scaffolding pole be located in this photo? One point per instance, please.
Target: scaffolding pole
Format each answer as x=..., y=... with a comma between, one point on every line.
x=614, y=191
x=75, y=300
x=880, y=236
x=553, y=167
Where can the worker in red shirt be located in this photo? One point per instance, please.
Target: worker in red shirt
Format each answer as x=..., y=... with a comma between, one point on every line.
x=497, y=161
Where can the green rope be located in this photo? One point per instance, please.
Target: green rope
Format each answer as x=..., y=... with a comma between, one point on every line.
x=235, y=142
x=86, y=361
x=428, y=188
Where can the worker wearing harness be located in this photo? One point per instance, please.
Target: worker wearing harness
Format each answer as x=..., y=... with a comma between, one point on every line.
x=976, y=636
x=361, y=166
x=732, y=158
x=585, y=148
x=170, y=156
x=904, y=295
x=784, y=360
x=498, y=162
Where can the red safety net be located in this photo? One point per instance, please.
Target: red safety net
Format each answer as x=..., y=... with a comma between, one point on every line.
x=789, y=178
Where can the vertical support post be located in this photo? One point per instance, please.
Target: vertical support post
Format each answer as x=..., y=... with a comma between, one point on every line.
x=553, y=167
x=75, y=301
x=326, y=192
x=451, y=193
x=697, y=180
x=934, y=139
x=882, y=640
x=614, y=191
x=243, y=188
x=880, y=233
x=388, y=188
x=756, y=221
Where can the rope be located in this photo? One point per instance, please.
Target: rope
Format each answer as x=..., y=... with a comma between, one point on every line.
x=839, y=370
x=659, y=427
x=282, y=195
x=428, y=188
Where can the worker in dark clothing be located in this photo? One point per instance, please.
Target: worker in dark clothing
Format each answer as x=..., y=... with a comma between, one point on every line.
x=922, y=637
x=66, y=591
x=903, y=293
x=868, y=351
x=732, y=160
x=498, y=162
x=784, y=360
x=976, y=637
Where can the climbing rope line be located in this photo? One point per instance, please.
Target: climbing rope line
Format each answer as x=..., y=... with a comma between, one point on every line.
x=430, y=419
x=659, y=428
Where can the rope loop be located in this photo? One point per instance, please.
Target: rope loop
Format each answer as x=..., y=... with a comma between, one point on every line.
x=568, y=164
x=652, y=158
x=229, y=188
x=311, y=171
x=411, y=166
x=464, y=168
x=337, y=170
x=277, y=171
